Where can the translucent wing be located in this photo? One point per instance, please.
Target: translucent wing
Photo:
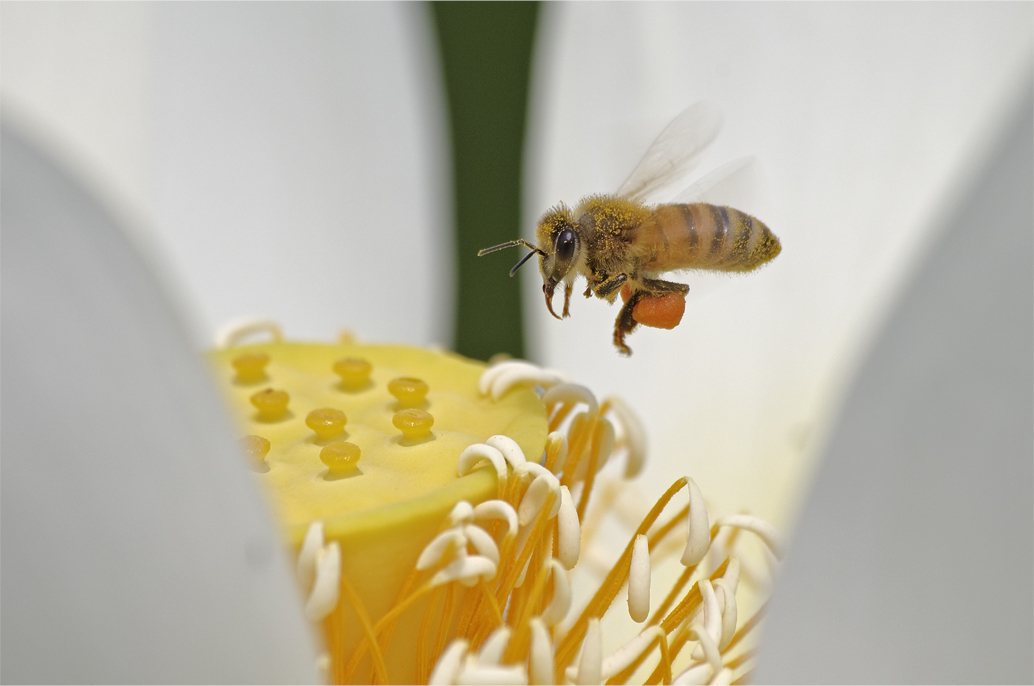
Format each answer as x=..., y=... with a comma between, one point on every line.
x=674, y=153
x=734, y=184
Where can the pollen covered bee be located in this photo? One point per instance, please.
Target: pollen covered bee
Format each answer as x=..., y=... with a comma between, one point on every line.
x=619, y=243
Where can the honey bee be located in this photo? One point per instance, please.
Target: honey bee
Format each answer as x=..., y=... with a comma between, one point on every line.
x=619, y=242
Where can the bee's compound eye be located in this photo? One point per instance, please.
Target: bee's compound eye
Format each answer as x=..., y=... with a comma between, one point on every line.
x=565, y=244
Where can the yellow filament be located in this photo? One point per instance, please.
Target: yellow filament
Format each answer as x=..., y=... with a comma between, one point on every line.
x=423, y=668
x=379, y=667
x=609, y=589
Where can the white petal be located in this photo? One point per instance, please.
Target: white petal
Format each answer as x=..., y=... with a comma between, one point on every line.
x=561, y=602
x=482, y=542
x=765, y=531
x=699, y=527
x=540, y=661
x=509, y=448
x=432, y=553
x=571, y=394
x=631, y=434
x=474, y=454
x=311, y=546
x=590, y=665
x=492, y=650
x=569, y=539
x=639, y=580
x=498, y=509
x=449, y=664
x=327, y=588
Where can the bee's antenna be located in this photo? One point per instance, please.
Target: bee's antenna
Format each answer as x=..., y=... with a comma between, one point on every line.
x=511, y=244
x=523, y=260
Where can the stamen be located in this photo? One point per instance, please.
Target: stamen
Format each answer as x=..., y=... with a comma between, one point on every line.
x=485, y=675
x=624, y=656
x=699, y=530
x=631, y=435
x=470, y=458
x=498, y=509
x=231, y=334
x=499, y=379
x=462, y=513
x=509, y=448
x=556, y=451
x=449, y=664
x=561, y=602
x=590, y=665
x=311, y=546
x=491, y=652
x=714, y=658
x=325, y=590
x=765, y=531
x=482, y=542
x=725, y=591
x=712, y=616
x=434, y=551
x=467, y=570
x=571, y=393
x=540, y=662
x=639, y=580
x=569, y=535
x=535, y=497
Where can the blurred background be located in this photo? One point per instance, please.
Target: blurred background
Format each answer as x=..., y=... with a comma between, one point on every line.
x=337, y=165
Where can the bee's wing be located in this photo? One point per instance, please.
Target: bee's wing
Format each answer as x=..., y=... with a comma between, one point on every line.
x=675, y=152
x=734, y=184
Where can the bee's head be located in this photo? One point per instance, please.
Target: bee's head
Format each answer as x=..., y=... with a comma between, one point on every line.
x=562, y=245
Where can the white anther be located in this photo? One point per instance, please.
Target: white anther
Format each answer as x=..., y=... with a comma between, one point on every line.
x=540, y=661
x=569, y=538
x=311, y=547
x=732, y=573
x=558, y=442
x=439, y=546
x=535, y=497
x=590, y=665
x=498, y=509
x=449, y=664
x=233, y=332
x=561, y=602
x=765, y=531
x=492, y=650
x=474, y=454
x=500, y=378
x=725, y=592
x=624, y=656
x=605, y=439
x=327, y=588
x=712, y=616
x=699, y=528
x=509, y=448
x=482, y=542
x=714, y=658
x=573, y=394
x=466, y=569
x=462, y=513
x=475, y=674
x=639, y=580
x=631, y=435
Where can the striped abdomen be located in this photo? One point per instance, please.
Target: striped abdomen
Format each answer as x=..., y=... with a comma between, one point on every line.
x=702, y=236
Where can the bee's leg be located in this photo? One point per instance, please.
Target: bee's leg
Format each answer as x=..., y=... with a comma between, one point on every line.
x=660, y=287
x=626, y=323
x=610, y=285
x=567, y=299
x=588, y=291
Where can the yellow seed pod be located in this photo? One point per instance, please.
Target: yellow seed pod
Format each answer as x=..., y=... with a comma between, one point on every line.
x=385, y=511
x=341, y=457
x=326, y=422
